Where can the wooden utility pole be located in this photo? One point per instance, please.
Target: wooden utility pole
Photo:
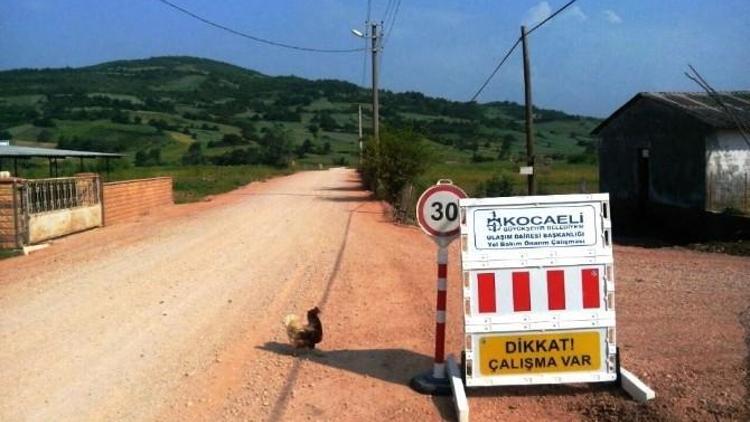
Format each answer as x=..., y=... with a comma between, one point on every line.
x=529, y=114
x=375, y=105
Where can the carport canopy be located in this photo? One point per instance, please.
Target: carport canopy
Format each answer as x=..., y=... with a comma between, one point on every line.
x=19, y=152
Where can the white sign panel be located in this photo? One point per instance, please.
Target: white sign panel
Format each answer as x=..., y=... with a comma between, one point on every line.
x=538, y=290
x=533, y=227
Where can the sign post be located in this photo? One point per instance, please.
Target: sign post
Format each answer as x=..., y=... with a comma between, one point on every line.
x=438, y=215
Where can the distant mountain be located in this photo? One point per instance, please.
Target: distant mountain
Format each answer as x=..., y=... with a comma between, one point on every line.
x=171, y=102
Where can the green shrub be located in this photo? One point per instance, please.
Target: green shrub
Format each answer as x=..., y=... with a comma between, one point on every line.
x=398, y=159
x=496, y=186
x=194, y=155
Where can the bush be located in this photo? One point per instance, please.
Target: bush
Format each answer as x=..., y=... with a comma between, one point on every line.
x=479, y=158
x=152, y=157
x=398, y=159
x=582, y=159
x=240, y=156
x=194, y=155
x=340, y=161
x=276, y=147
x=496, y=186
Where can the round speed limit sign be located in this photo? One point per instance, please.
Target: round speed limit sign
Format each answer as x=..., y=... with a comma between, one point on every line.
x=437, y=210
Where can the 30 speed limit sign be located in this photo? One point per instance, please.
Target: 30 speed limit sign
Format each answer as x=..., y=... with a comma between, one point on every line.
x=437, y=210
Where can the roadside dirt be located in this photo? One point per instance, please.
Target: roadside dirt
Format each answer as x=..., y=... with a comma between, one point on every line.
x=177, y=316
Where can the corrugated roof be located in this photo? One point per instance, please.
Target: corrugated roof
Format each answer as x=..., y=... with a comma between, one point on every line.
x=699, y=105
x=28, y=152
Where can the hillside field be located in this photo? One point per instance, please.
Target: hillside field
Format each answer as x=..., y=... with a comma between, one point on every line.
x=196, y=119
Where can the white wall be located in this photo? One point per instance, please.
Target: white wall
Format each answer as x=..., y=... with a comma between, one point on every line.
x=48, y=225
x=727, y=171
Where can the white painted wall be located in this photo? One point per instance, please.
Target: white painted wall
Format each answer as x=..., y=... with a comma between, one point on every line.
x=727, y=171
x=48, y=225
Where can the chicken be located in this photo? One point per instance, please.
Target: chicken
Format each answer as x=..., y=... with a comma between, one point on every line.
x=304, y=336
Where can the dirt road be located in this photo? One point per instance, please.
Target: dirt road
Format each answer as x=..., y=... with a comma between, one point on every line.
x=177, y=316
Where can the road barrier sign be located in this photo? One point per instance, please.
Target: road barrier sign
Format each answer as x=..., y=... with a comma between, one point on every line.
x=538, y=290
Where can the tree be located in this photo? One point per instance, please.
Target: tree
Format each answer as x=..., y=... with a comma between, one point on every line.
x=508, y=141
x=118, y=116
x=276, y=147
x=194, y=155
x=45, y=121
x=304, y=149
x=232, y=139
x=154, y=156
x=314, y=129
x=44, y=136
x=141, y=159
x=398, y=159
x=327, y=122
x=247, y=129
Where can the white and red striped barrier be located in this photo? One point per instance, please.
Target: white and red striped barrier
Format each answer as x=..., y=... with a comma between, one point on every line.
x=440, y=314
x=560, y=289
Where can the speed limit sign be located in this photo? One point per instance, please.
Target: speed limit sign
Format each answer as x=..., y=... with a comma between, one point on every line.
x=437, y=210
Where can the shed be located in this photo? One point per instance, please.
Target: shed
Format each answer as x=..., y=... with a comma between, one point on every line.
x=679, y=150
x=12, y=153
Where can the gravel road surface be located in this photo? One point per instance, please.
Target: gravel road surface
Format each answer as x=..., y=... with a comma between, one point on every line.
x=176, y=316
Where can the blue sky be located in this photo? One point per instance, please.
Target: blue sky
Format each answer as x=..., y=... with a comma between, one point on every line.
x=589, y=60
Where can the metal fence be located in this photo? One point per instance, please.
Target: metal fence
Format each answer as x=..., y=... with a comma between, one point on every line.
x=43, y=195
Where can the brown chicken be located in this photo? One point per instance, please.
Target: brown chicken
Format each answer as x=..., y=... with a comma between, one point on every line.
x=304, y=335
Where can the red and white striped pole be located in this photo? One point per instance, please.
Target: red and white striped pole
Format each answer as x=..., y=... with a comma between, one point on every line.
x=438, y=215
x=438, y=370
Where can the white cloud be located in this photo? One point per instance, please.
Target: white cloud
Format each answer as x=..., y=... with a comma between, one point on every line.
x=577, y=13
x=612, y=17
x=537, y=14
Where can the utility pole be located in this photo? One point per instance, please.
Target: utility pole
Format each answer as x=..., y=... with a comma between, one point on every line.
x=375, y=105
x=529, y=114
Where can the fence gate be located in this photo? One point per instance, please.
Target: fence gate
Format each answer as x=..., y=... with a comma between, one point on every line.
x=60, y=206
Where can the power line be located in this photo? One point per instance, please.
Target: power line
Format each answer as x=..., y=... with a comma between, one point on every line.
x=388, y=11
x=365, y=38
x=393, y=22
x=259, y=39
x=557, y=12
x=499, y=65
x=518, y=41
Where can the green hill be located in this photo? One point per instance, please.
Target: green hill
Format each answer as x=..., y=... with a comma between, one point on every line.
x=113, y=104
x=155, y=109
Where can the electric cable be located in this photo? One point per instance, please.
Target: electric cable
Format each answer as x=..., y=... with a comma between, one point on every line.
x=258, y=39
x=518, y=41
